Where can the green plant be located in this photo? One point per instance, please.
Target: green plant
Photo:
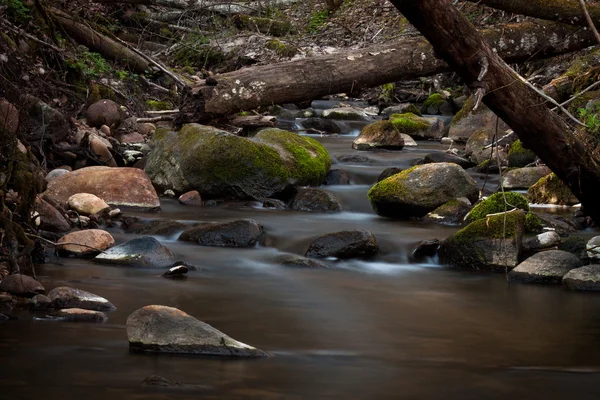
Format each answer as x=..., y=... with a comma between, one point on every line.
x=121, y=74
x=591, y=119
x=317, y=20
x=89, y=64
x=16, y=11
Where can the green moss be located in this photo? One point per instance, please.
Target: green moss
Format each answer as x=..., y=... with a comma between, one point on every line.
x=583, y=100
x=584, y=71
x=188, y=70
x=11, y=43
x=496, y=204
x=519, y=156
x=391, y=187
x=100, y=92
x=533, y=223
x=551, y=190
x=158, y=105
x=502, y=226
x=435, y=100
x=282, y=49
x=387, y=92
x=245, y=113
x=409, y=123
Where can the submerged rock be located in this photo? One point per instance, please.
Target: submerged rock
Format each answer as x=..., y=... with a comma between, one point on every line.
x=292, y=260
x=386, y=173
x=239, y=233
x=337, y=177
x=313, y=199
x=140, y=252
x=177, y=271
x=21, y=285
x=545, y=267
x=79, y=315
x=86, y=242
x=344, y=244
x=169, y=330
x=68, y=297
x=425, y=249
x=583, y=278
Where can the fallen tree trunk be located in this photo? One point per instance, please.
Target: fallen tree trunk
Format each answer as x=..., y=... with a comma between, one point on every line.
x=541, y=130
x=411, y=57
x=200, y=5
x=99, y=43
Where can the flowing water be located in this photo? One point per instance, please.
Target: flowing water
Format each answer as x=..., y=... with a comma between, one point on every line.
x=383, y=329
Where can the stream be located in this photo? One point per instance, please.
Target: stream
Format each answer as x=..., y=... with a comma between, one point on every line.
x=380, y=329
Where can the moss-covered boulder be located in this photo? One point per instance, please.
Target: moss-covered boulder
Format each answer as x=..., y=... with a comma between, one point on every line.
x=400, y=109
x=519, y=156
x=492, y=243
x=418, y=127
x=221, y=165
x=523, y=178
x=379, y=135
x=551, y=190
x=418, y=190
x=466, y=121
x=437, y=104
x=497, y=203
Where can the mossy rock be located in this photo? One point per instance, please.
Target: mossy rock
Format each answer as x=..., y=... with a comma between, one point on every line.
x=155, y=105
x=400, y=109
x=436, y=104
x=551, y=190
x=451, y=212
x=418, y=127
x=496, y=204
x=282, y=49
x=519, y=156
x=416, y=191
x=346, y=114
x=221, y=165
x=466, y=121
x=379, y=135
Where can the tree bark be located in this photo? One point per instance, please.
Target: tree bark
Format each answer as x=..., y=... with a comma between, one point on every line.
x=409, y=58
x=541, y=130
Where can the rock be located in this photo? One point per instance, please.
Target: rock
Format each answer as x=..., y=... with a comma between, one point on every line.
x=146, y=128
x=426, y=249
x=576, y=245
x=169, y=330
x=496, y=203
x=50, y=218
x=292, y=260
x=523, y=178
x=436, y=104
x=9, y=117
x=104, y=112
x=519, y=156
x=544, y=240
x=86, y=242
x=121, y=187
x=222, y=165
x=177, y=271
x=466, y=121
x=79, y=315
x=337, y=177
x=346, y=114
x=140, y=252
x=446, y=140
x=583, y=278
x=68, y=297
x=400, y=109
x=475, y=147
x=49, y=122
x=551, y=190
x=87, y=203
x=99, y=147
x=191, y=198
x=593, y=249
x=451, y=212
x=55, y=173
x=418, y=127
x=169, y=193
x=421, y=189
x=312, y=199
x=105, y=130
x=159, y=227
x=408, y=140
x=352, y=158
x=327, y=126
x=545, y=267
x=132, y=137
x=41, y=302
x=21, y=285
x=389, y=172
x=492, y=243
x=344, y=244
x=274, y=203
x=439, y=157
x=379, y=135
x=239, y=233
x=561, y=225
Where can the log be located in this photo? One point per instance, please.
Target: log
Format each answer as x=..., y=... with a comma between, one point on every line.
x=99, y=43
x=469, y=54
x=200, y=5
x=409, y=58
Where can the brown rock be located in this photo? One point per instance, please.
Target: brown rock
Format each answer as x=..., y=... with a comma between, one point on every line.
x=146, y=128
x=79, y=315
x=191, y=198
x=122, y=187
x=87, y=203
x=132, y=137
x=105, y=129
x=104, y=112
x=9, y=117
x=21, y=285
x=100, y=147
x=87, y=242
x=50, y=218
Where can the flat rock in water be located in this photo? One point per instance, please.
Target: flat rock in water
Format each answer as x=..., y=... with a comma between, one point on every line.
x=583, y=278
x=545, y=267
x=140, y=252
x=313, y=199
x=79, y=315
x=337, y=177
x=86, y=242
x=87, y=203
x=21, y=285
x=169, y=330
x=68, y=297
x=292, y=260
x=353, y=158
x=344, y=244
x=542, y=241
x=239, y=233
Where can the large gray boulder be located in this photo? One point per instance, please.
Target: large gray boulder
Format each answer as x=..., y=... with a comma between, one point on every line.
x=222, y=165
x=140, y=252
x=523, y=178
x=418, y=190
x=162, y=329
x=344, y=244
x=239, y=233
x=583, y=278
x=68, y=297
x=545, y=267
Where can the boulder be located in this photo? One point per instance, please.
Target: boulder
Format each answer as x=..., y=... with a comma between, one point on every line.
x=145, y=128
x=492, y=243
x=68, y=297
x=191, y=198
x=551, y=190
x=542, y=241
x=101, y=148
x=131, y=137
x=561, y=225
x=425, y=249
x=576, y=245
x=337, y=177
x=386, y=173
x=313, y=199
x=418, y=127
x=274, y=203
x=55, y=173
x=222, y=165
x=50, y=218
x=496, y=203
x=583, y=278
x=436, y=104
x=475, y=147
x=87, y=203
x=239, y=233
x=79, y=315
x=421, y=189
x=452, y=212
x=292, y=260
x=344, y=244
x=519, y=156
x=523, y=178
x=439, y=157
x=40, y=302
x=104, y=112
x=593, y=249
x=162, y=329
x=21, y=285
x=400, y=109
x=346, y=114
x=9, y=117
x=326, y=126
x=122, y=187
x=545, y=267
x=140, y=252
x=86, y=242
x=379, y=135
x=466, y=121
x=408, y=140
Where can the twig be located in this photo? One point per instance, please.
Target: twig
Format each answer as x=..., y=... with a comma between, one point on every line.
x=155, y=86
x=175, y=111
x=589, y=20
